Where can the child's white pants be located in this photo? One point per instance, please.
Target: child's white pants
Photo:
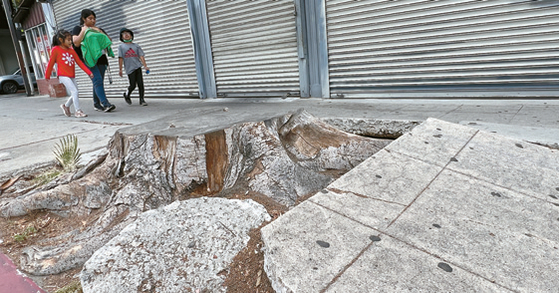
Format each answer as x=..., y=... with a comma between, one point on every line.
x=72, y=87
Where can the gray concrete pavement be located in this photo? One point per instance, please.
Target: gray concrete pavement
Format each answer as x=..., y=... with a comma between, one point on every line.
x=447, y=208
x=444, y=208
x=31, y=126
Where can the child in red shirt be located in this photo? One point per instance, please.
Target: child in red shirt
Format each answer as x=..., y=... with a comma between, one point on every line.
x=65, y=57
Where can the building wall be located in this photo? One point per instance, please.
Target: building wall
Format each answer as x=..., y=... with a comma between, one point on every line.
x=340, y=48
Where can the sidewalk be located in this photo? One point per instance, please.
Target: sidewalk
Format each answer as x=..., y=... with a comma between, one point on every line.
x=444, y=208
x=477, y=216
x=31, y=126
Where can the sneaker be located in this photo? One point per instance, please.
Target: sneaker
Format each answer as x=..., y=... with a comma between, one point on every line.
x=80, y=114
x=66, y=110
x=143, y=103
x=110, y=108
x=99, y=108
x=127, y=99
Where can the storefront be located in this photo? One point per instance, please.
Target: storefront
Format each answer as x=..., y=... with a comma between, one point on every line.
x=161, y=28
x=335, y=48
x=254, y=48
x=38, y=34
x=40, y=47
x=458, y=48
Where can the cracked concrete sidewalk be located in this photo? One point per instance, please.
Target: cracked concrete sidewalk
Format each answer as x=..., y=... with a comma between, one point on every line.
x=31, y=126
x=444, y=208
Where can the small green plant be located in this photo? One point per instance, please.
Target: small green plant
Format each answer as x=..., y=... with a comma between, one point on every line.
x=30, y=230
x=73, y=287
x=46, y=177
x=19, y=237
x=67, y=152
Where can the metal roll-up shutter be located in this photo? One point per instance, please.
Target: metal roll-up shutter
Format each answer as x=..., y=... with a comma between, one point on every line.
x=254, y=47
x=443, y=48
x=161, y=28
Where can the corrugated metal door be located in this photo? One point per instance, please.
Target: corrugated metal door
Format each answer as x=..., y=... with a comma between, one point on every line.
x=457, y=48
x=161, y=28
x=254, y=47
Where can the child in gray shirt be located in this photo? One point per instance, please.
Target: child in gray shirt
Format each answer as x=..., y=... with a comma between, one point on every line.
x=132, y=56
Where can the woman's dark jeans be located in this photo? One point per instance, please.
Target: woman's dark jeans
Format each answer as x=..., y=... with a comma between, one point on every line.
x=99, y=98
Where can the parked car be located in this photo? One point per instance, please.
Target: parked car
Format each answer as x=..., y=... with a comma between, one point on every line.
x=10, y=84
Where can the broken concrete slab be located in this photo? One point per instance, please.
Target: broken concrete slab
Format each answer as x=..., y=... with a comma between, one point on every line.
x=538, y=135
x=307, y=247
x=396, y=177
x=502, y=235
x=436, y=142
x=186, y=246
x=511, y=163
x=366, y=210
x=389, y=264
x=453, y=223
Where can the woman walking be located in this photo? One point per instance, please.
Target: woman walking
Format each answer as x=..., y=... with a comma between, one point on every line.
x=87, y=22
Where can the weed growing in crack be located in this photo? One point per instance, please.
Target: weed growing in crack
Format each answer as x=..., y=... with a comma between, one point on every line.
x=29, y=231
x=73, y=287
x=46, y=177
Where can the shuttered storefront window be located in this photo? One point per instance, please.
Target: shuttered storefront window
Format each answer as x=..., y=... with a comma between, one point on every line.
x=443, y=48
